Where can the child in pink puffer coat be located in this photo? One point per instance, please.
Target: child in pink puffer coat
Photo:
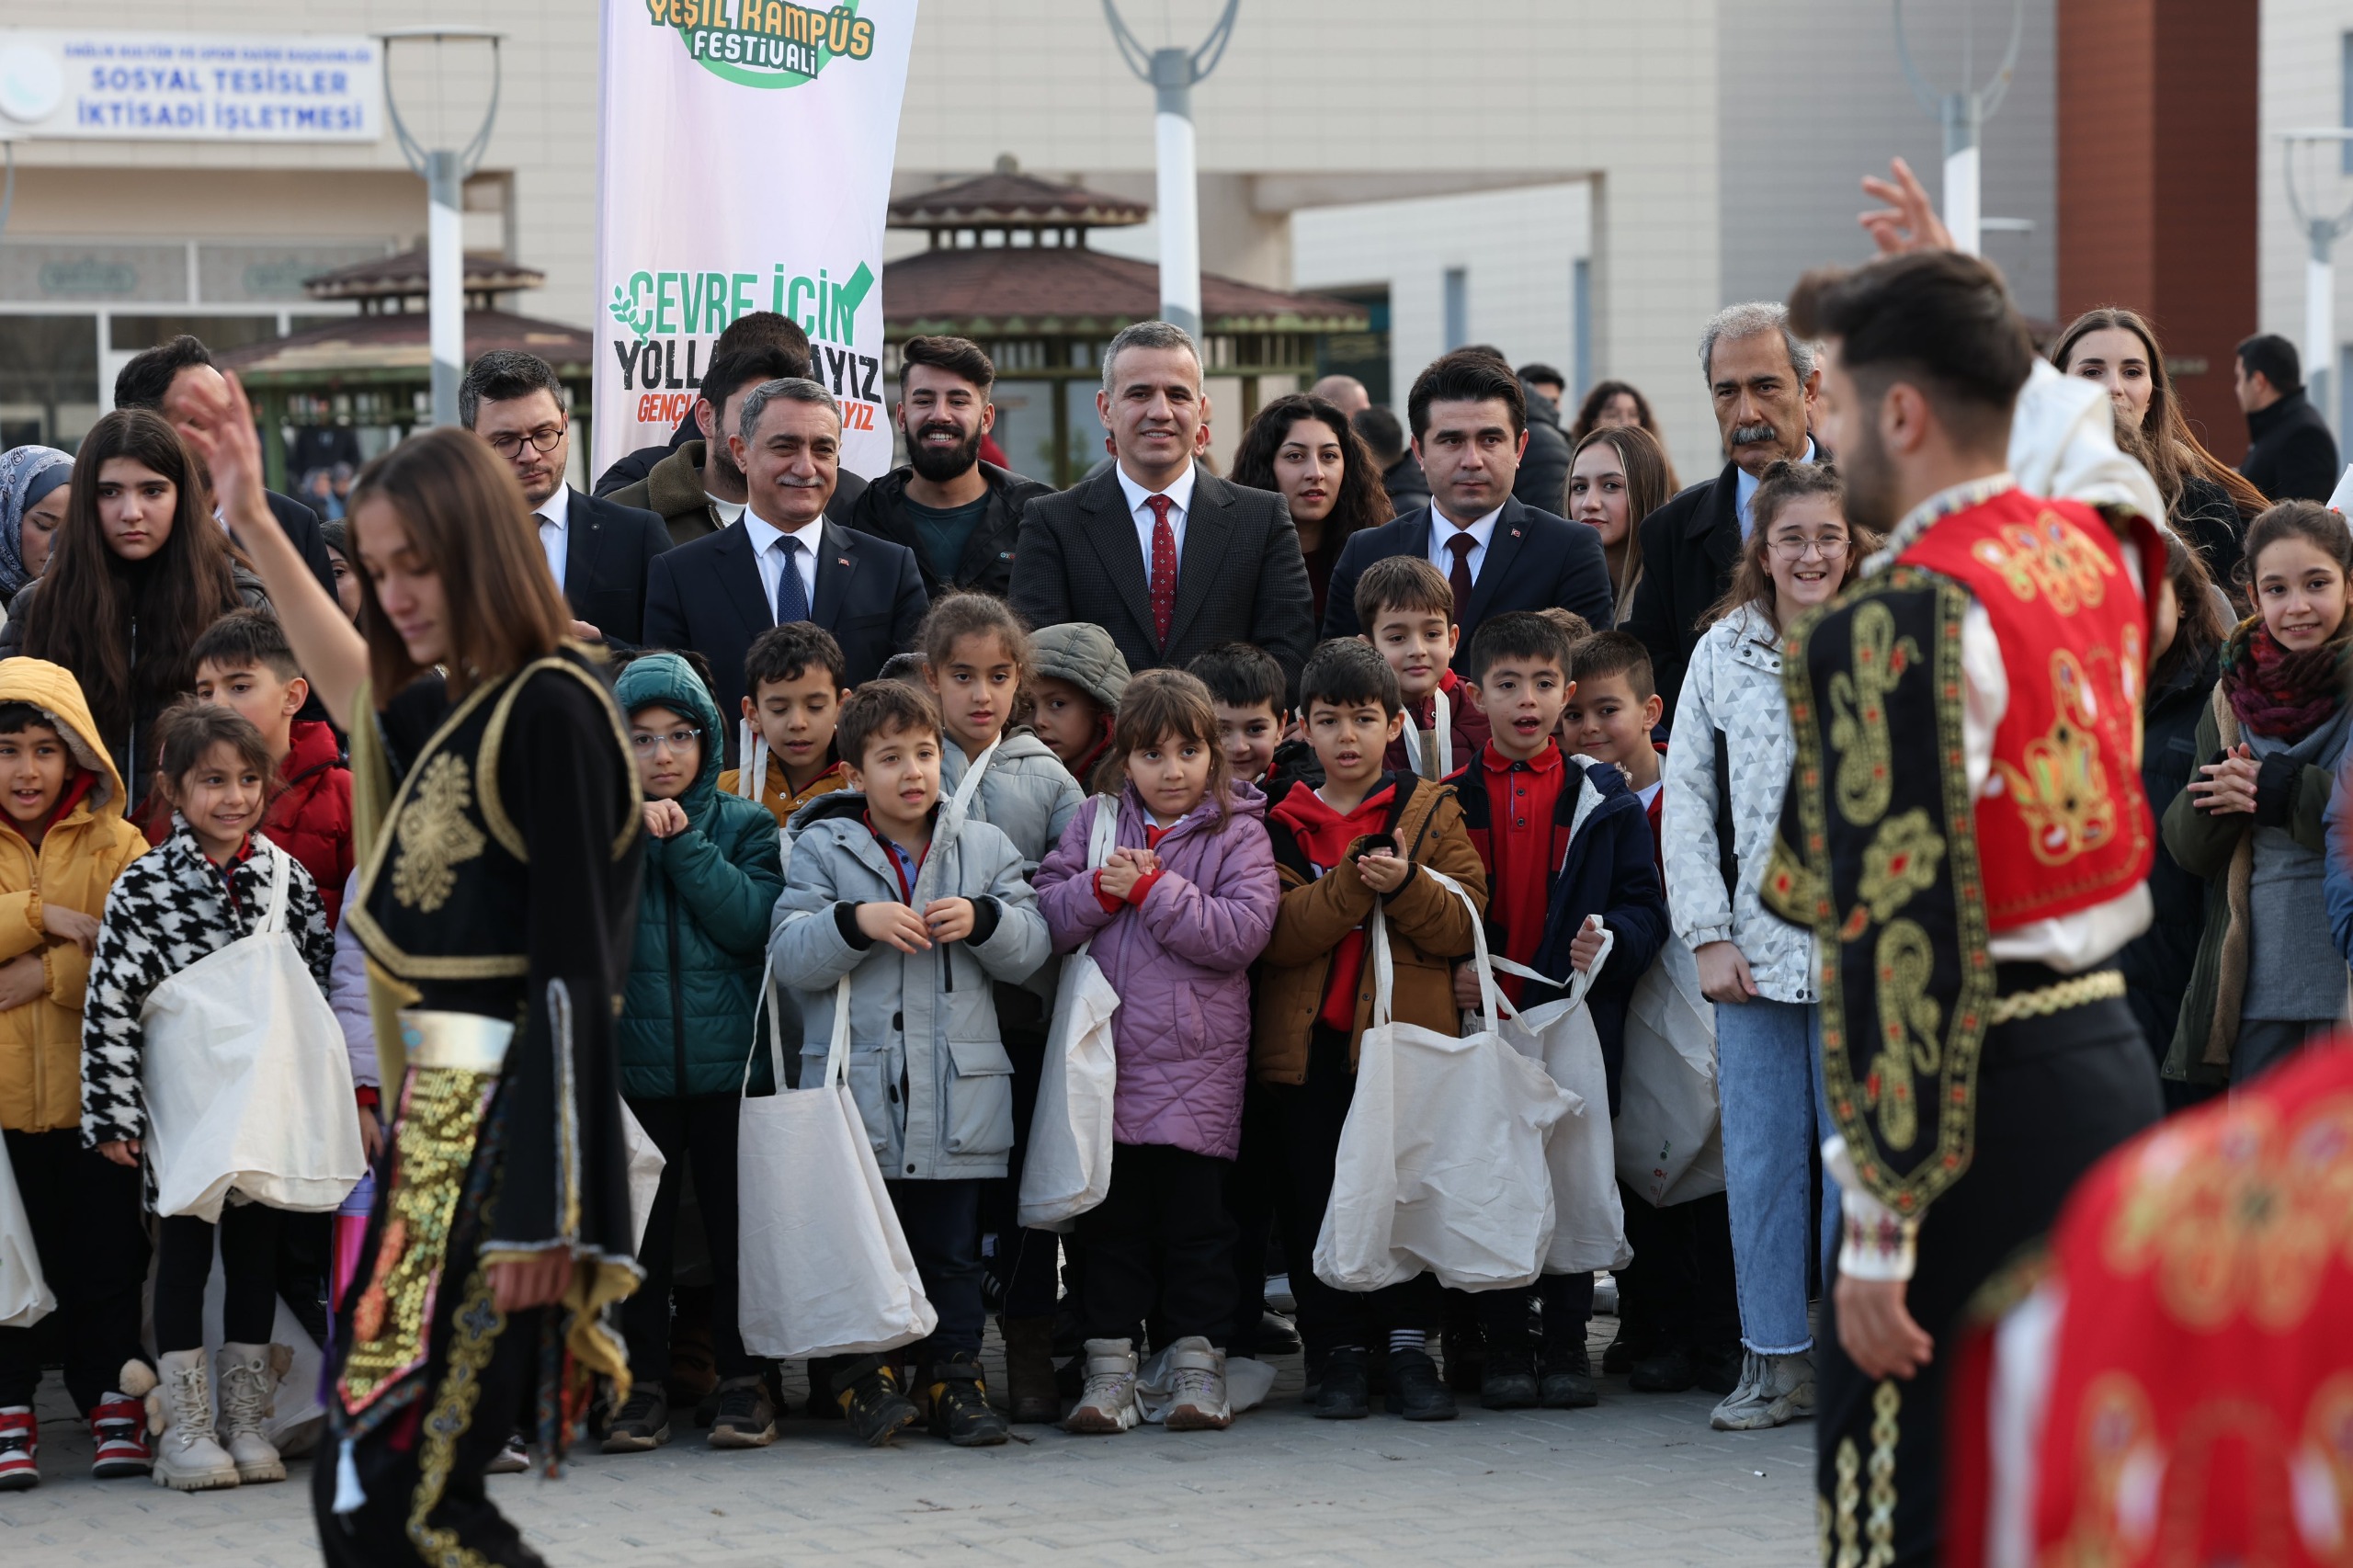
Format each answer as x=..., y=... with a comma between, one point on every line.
x=1176, y=917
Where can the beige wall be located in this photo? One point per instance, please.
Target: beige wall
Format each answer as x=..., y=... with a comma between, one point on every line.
x=1362, y=99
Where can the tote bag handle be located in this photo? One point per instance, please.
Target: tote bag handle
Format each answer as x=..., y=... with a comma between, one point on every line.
x=273, y=920
x=1103, y=836
x=1384, y=968
x=1441, y=737
x=952, y=821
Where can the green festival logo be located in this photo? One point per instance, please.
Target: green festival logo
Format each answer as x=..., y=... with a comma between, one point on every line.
x=764, y=43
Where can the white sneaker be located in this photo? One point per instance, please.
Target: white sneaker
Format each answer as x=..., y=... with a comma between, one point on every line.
x=249, y=1374
x=1774, y=1391
x=1196, y=1401
x=513, y=1459
x=187, y=1458
x=1109, y=1402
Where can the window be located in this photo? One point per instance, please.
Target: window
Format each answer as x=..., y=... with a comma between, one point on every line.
x=1458, y=307
x=1581, y=323
x=2345, y=114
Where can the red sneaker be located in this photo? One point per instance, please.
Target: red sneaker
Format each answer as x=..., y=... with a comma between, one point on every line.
x=19, y=1449
x=119, y=1434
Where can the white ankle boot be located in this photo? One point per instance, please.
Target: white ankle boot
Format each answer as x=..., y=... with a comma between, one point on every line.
x=1109, y=1404
x=180, y=1412
x=249, y=1377
x=1196, y=1400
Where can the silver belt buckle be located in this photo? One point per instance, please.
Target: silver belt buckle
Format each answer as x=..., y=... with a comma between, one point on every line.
x=467, y=1042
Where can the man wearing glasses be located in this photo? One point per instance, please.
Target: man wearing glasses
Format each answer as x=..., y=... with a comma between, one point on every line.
x=596, y=551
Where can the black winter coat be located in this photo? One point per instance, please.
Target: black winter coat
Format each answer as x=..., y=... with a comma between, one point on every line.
x=1543, y=481
x=2156, y=964
x=987, y=563
x=2290, y=456
x=1689, y=547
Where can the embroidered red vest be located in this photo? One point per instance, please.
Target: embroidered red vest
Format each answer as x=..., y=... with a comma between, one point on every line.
x=2063, y=824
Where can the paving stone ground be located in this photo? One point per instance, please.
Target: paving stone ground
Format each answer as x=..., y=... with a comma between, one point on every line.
x=1641, y=1480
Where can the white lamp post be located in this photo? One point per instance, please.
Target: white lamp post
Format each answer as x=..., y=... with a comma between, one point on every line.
x=2322, y=230
x=1963, y=113
x=445, y=174
x=1172, y=73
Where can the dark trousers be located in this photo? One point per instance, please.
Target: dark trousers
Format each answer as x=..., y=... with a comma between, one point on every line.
x=248, y=1234
x=1160, y=1247
x=2053, y=1094
x=375, y=1535
x=1309, y=1116
x=696, y=1133
x=1025, y=1262
x=942, y=1220
x=1253, y=1184
x=1679, y=1291
x=84, y=1213
x=1567, y=1301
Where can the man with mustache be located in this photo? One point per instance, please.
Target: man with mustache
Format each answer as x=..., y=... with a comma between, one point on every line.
x=958, y=513
x=695, y=488
x=1762, y=379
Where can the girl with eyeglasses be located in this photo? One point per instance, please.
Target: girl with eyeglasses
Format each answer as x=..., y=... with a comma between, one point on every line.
x=1726, y=772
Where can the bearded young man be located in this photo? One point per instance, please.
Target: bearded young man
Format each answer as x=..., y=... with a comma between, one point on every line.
x=1966, y=837
x=958, y=513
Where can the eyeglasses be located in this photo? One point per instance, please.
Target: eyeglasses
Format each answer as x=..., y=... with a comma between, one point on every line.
x=645, y=742
x=509, y=444
x=1795, y=549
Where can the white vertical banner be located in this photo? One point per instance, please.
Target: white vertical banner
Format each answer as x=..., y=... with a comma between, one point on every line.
x=745, y=166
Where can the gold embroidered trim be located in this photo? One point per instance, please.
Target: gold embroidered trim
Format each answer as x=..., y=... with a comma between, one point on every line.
x=1878, y=1528
x=435, y=837
x=2042, y=1002
x=494, y=809
x=473, y=1339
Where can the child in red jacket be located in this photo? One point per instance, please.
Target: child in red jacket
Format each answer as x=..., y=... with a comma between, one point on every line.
x=243, y=663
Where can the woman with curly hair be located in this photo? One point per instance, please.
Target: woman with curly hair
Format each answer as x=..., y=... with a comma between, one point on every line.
x=1304, y=447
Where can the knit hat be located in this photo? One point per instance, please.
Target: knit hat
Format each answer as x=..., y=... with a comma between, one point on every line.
x=1083, y=654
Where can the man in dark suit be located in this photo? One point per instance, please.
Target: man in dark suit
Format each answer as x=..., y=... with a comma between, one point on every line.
x=176, y=379
x=1167, y=558
x=1470, y=420
x=784, y=558
x=2290, y=456
x=598, y=551
x=1762, y=379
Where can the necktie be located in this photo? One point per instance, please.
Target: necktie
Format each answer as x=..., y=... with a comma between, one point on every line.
x=1164, y=568
x=791, y=596
x=1462, y=544
x=548, y=536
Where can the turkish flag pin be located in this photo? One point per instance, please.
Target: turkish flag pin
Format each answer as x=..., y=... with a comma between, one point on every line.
x=841, y=560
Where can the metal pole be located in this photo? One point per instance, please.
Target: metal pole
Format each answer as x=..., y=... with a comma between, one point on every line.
x=445, y=258
x=2320, y=315
x=1179, y=189
x=1962, y=121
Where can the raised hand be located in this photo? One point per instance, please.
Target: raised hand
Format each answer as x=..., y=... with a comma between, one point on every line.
x=1909, y=221
x=219, y=424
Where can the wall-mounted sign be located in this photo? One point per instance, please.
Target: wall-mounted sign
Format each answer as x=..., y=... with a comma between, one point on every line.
x=165, y=86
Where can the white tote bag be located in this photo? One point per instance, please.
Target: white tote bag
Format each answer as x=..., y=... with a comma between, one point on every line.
x=1067, y=1169
x=1589, y=1219
x=645, y=1165
x=1441, y=1163
x=1670, y=1131
x=246, y=1080
x=822, y=1267
x=24, y=1297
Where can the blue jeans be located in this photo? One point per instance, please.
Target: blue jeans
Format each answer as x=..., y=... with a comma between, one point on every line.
x=1769, y=1074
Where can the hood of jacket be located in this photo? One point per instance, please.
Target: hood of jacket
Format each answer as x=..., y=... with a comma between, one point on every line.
x=675, y=484
x=52, y=689
x=668, y=681
x=1083, y=654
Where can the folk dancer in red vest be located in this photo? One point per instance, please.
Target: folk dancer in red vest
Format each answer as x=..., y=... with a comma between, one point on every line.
x=1966, y=836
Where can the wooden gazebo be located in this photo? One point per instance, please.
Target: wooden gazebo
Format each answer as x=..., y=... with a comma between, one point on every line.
x=375, y=369
x=1008, y=267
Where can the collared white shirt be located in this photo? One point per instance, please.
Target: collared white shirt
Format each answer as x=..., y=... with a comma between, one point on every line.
x=1745, y=491
x=725, y=511
x=769, y=554
x=1442, y=528
x=555, y=530
x=1181, y=490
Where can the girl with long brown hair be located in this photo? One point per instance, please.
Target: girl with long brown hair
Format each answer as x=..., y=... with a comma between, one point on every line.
x=499, y=833
x=2205, y=499
x=1618, y=477
x=136, y=574
x=1305, y=448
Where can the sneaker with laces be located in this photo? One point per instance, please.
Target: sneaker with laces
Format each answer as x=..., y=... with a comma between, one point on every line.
x=1108, y=1404
x=512, y=1457
x=643, y=1424
x=188, y=1457
x=1774, y=1391
x=248, y=1376
x=1196, y=1401
x=746, y=1418
x=1510, y=1379
x=871, y=1405
x=19, y=1448
x=1566, y=1383
x=1345, y=1393
x=960, y=1410
x=118, y=1444
x=1415, y=1391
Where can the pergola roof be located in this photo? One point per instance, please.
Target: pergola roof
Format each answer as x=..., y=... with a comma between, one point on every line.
x=397, y=348
x=408, y=275
x=997, y=291
x=1006, y=199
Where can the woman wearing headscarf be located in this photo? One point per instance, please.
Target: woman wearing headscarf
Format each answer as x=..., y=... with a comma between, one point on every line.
x=34, y=484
